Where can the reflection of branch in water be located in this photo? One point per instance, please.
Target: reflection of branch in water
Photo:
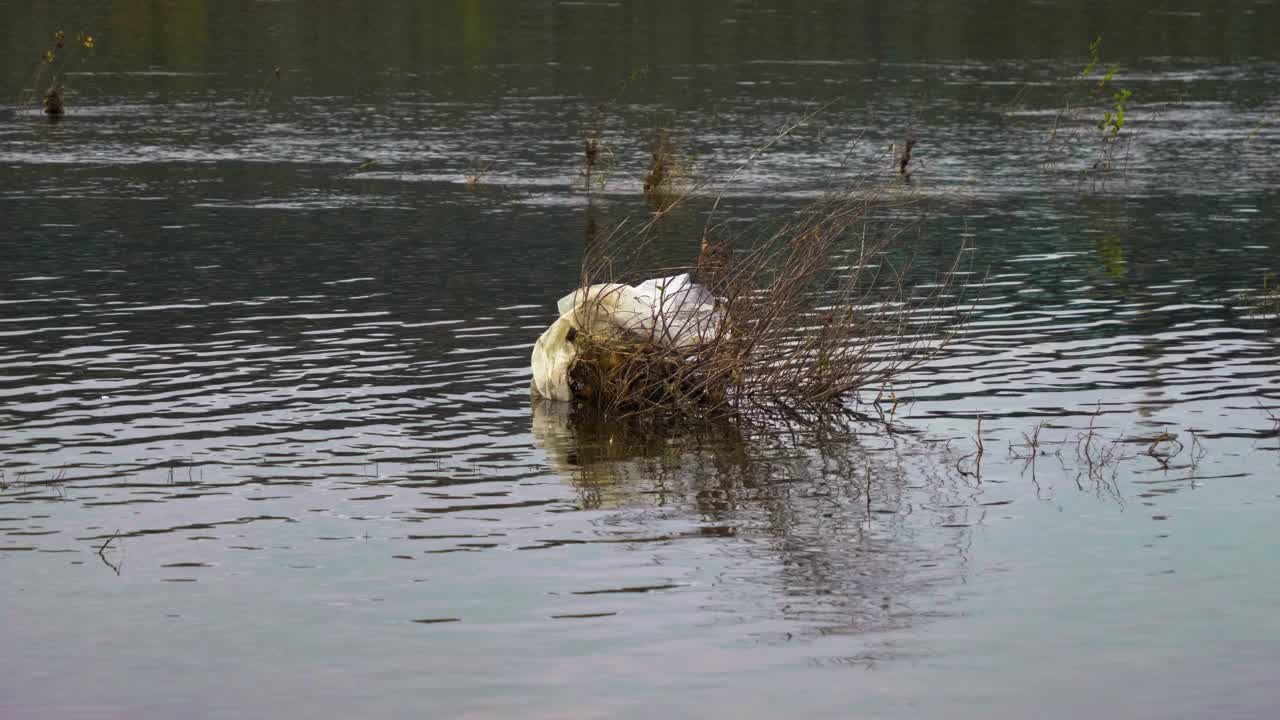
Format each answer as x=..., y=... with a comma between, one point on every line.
x=102, y=552
x=975, y=456
x=1275, y=421
x=824, y=518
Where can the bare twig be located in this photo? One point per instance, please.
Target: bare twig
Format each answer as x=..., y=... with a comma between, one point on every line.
x=102, y=552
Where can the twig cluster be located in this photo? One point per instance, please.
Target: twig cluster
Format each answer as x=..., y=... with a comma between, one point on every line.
x=1092, y=116
x=1097, y=459
x=51, y=70
x=477, y=171
x=667, y=172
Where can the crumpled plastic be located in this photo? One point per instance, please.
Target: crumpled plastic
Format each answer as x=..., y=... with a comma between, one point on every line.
x=671, y=312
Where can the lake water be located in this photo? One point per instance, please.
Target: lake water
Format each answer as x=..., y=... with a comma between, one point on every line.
x=265, y=431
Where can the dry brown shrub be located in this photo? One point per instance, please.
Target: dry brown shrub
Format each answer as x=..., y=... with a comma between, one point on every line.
x=806, y=312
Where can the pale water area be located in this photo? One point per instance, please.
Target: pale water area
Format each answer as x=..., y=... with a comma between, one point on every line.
x=265, y=430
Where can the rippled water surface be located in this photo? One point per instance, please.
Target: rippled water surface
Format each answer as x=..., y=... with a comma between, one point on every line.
x=266, y=441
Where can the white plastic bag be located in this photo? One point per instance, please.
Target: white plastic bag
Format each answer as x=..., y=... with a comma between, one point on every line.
x=671, y=312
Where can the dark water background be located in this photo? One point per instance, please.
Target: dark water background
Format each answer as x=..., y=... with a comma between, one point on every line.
x=292, y=384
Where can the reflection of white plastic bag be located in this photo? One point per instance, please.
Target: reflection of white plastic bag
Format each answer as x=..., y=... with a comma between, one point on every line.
x=669, y=312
